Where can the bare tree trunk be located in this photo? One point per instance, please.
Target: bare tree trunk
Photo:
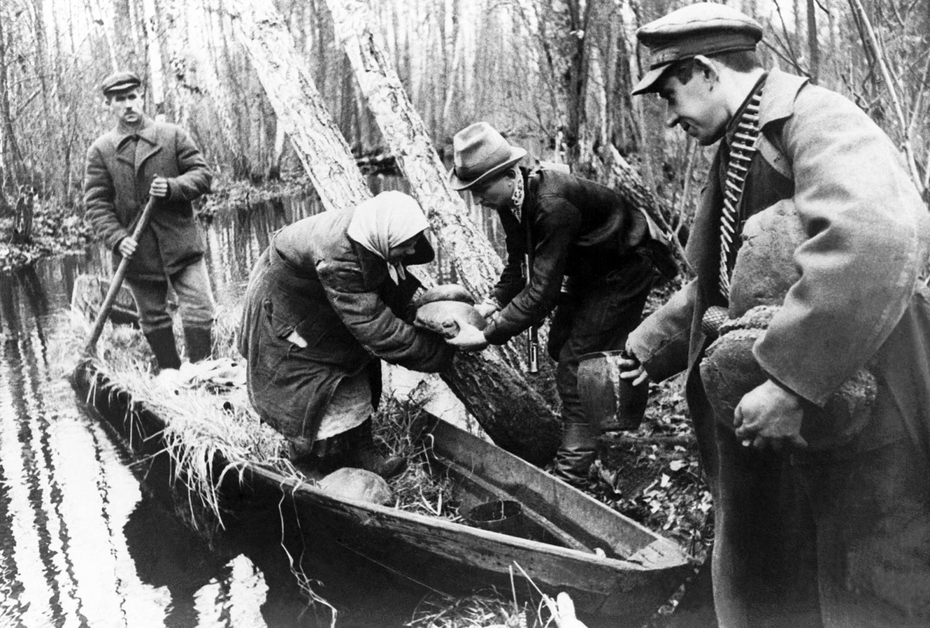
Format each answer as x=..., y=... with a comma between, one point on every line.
x=211, y=39
x=105, y=18
x=277, y=159
x=125, y=21
x=175, y=17
x=316, y=138
x=458, y=45
x=813, y=43
x=576, y=86
x=156, y=71
x=638, y=113
x=626, y=181
x=11, y=158
x=870, y=42
x=512, y=413
x=611, y=69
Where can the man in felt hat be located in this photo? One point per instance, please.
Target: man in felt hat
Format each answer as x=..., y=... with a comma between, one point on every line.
x=817, y=522
x=139, y=158
x=560, y=231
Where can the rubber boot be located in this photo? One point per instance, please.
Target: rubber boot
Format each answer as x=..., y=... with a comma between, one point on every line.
x=199, y=343
x=363, y=454
x=576, y=454
x=164, y=348
x=318, y=458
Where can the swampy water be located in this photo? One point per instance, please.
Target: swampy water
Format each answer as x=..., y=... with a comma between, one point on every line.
x=87, y=540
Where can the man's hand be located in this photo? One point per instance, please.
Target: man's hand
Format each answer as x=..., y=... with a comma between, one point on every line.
x=469, y=338
x=159, y=187
x=632, y=368
x=770, y=417
x=127, y=246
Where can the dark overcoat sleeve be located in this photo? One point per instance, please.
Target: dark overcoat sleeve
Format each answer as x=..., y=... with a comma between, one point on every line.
x=99, y=196
x=556, y=223
x=355, y=299
x=194, y=176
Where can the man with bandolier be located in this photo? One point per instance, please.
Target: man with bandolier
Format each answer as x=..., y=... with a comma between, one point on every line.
x=822, y=518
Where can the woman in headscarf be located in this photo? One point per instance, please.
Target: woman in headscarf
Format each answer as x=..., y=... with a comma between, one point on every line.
x=326, y=300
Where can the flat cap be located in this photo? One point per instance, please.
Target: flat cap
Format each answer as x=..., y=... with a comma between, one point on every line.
x=120, y=81
x=705, y=28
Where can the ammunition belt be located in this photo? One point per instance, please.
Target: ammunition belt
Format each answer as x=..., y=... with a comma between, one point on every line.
x=742, y=149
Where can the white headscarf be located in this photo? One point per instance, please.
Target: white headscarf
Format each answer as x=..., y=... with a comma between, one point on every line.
x=386, y=221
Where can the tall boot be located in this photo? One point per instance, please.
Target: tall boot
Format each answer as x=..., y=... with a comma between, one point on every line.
x=316, y=458
x=576, y=454
x=199, y=342
x=164, y=348
x=363, y=453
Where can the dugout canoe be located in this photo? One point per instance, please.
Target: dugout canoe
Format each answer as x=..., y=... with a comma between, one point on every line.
x=617, y=571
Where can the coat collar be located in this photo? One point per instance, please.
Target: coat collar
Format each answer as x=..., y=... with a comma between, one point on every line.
x=781, y=90
x=145, y=130
x=778, y=98
x=144, y=148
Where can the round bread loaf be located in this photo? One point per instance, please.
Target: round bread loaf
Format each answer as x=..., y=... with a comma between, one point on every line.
x=765, y=268
x=352, y=483
x=764, y=272
x=440, y=317
x=729, y=370
x=446, y=292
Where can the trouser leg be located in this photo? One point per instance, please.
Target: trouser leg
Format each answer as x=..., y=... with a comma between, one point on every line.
x=764, y=566
x=155, y=320
x=873, y=536
x=197, y=309
x=198, y=342
x=597, y=320
x=164, y=347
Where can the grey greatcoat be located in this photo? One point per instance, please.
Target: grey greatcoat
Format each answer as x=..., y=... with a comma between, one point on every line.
x=339, y=297
x=116, y=185
x=858, y=302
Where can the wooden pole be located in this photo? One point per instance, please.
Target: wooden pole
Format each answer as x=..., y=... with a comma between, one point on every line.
x=117, y=280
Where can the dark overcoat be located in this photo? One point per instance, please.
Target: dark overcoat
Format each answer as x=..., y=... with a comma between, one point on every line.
x=338, y=296
x=858, y=301
x=116, y=188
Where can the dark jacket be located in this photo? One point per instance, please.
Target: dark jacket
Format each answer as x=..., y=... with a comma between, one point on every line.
x=116, y=185
x=577, y=229
x=338, y=296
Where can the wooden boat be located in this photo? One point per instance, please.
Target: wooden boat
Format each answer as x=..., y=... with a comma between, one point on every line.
x=614, y=569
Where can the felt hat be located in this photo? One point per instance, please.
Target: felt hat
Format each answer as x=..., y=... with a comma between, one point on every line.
x=120, y=82
x=705, y=28
x=479, y=153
